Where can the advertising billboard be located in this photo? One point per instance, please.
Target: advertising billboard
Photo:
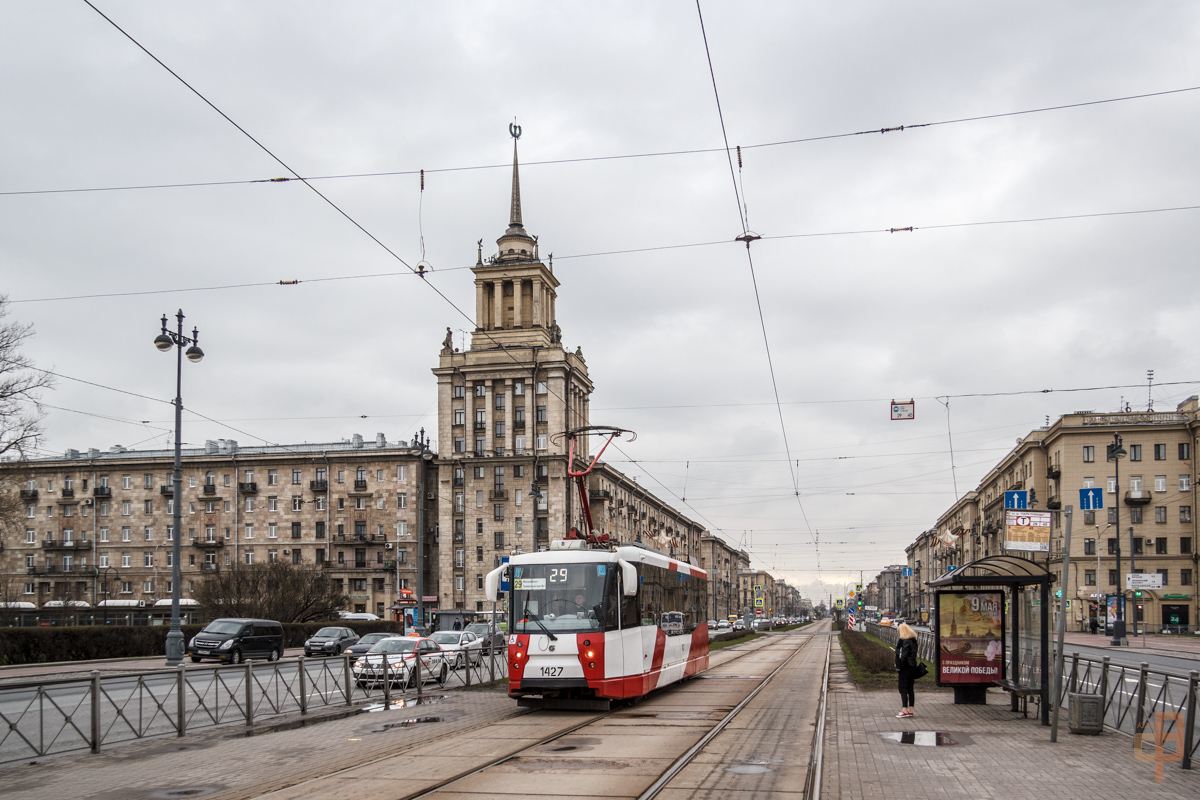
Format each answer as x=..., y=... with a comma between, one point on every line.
x=970, y=637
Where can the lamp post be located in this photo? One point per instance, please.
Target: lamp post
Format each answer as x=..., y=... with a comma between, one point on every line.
x=165, y=341
x=420, y=450
x=1115, y=453
x=104, y=579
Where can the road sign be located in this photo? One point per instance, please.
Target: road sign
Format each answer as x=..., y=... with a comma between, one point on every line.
x=907, y=571
x=504, y=575
x=951, y=567
x=872, y=608
x=852, y=594
x=758, y=602
x=839, y=603
x=1091, y=499
x=858, y=588
x=1143, y=580
x=1027, y=530
x=1016, y=500
x=904, y=409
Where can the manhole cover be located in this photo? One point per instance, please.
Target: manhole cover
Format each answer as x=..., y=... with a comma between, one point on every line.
x=924, y=738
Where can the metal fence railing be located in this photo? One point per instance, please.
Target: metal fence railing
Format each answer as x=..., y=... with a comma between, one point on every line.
x=1134, y=698
x=39, y=718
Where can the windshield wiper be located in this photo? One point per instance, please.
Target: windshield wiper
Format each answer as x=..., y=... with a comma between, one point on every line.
x=525, y=614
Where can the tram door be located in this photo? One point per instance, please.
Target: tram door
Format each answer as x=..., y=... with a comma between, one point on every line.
x=628, y=638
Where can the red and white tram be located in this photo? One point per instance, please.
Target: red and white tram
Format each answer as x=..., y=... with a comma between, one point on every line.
x=591, y=624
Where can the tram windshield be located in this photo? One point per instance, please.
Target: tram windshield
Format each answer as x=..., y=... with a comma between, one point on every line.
x=559, y=598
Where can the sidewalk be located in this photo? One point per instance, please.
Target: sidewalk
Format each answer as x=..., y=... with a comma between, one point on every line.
x=997, y=753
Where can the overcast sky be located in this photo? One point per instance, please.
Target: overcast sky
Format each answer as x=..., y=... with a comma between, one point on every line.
x=672, y=337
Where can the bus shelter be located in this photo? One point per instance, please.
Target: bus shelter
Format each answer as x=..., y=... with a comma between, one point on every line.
x=1026, y=671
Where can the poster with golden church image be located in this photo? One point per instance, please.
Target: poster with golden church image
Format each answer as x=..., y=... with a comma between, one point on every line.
x=970, y=637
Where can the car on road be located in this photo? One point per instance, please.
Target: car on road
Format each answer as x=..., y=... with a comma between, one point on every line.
x=722, y=624
x=484, y=630
x=235, y=639
x=330, y=641
x=366, y=642
x=886, y=622
x=401, y=653
x=739, y=625
x=460, y=647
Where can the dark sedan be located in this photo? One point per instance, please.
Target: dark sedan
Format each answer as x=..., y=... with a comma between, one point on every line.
x=489, y=635
x=367, y=642
x=330, y=641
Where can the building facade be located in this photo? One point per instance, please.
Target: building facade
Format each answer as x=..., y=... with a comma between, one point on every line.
x=98, y=525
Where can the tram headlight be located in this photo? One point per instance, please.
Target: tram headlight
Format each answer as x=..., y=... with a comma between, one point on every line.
x=591, y=665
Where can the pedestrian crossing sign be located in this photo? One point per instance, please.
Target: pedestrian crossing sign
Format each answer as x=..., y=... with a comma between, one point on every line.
x=758, y=602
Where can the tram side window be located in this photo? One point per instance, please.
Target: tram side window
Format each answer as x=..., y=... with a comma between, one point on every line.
x=669, y=600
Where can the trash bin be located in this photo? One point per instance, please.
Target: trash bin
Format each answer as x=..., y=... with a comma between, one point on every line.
x=1087, y=713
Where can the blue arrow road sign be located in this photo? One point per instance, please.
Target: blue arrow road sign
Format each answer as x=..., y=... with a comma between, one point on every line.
x=504, y=575
x=908, y=572
x=1091, y=499
x=1016, y=499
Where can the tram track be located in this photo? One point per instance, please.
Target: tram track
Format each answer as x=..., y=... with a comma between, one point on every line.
x=672, y=771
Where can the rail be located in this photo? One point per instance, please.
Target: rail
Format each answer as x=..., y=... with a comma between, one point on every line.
x=48, y=717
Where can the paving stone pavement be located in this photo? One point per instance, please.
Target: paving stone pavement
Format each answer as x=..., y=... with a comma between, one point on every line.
x=999, y=754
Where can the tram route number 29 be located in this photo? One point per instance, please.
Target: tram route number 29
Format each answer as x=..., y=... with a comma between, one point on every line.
x=558, y=574
x=551, y=672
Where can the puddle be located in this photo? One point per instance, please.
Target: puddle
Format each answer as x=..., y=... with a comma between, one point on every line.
x=404, y=702
x=570, y=744
x=194, y=791
x=304, y=722
x=925, y=738
x=748, y=769
x=407, y=723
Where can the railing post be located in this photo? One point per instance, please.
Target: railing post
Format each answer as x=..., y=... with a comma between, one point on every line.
x=492, y=659
x=249, y=693
x=346, y=674
x=387, y=683
x=1141, y=697
x=1189, y=732
x=417, y=660
x=1103, y=686
x=303, y=684
x=95, y=710
x=468, y=668
x=1074, y=672
x=181, y=701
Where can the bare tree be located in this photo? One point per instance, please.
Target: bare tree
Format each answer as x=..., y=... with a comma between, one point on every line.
x=276, y=590
x=20, y=413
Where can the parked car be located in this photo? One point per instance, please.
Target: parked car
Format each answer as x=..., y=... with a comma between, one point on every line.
x=460, y=647
x=233, y=640
x=483, y=630
x=400, y=652
x=330, y=641
x=368, y=641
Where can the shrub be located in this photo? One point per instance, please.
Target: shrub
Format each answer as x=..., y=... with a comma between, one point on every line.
x=871, y=656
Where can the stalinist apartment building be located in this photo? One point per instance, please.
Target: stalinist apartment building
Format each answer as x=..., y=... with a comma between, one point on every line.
x=97, y=525
x=504, y=406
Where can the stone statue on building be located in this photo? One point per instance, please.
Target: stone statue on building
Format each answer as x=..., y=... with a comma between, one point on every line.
x=555, y=333
x=448, y=342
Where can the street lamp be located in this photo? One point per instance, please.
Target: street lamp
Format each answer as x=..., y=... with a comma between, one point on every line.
x=164, y=342
x=420, y=450
x=1115, y=454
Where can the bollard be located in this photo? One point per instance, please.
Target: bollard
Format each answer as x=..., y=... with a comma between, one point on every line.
x=1141, y=698
x=387, y=683
x=346, y=673
x=249, y=694
x=303, y=682
x=1189, y=732
x=181, y=701
x=95, y=710
x=1074, y=672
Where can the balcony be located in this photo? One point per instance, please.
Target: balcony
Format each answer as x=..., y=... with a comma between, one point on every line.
x=1054, y=503
x=458, y=482
x=29, y=494
x=481, y=426
x=1140, y=497
x=41, y=570
x=248, y=488
x=360, y=485
x=210, y=488
x=81, y=544
x=166, y=491
x=1053, y=472
x=499, y=494
x=318, y=486
x=68, y=492
x=365, y=538
x=102, y=491
x=207, y=567
x=207, y=543
x=519, y=425
x=600, y=494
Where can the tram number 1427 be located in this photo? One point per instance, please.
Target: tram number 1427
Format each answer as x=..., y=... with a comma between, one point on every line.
x=551, y=672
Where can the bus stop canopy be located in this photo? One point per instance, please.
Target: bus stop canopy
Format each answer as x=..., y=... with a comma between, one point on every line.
x=1013, y=572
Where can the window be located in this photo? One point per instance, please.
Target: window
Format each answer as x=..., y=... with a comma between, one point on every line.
x=541, y=414
x=500, y=429
x=1185, y=577
x=402, y=500
x=102, y=560
x=297, y=531
x=1135, y=483
x=460, y=444
x=479, y=526
x=480, y=390
x=1089, y=577
x=210, y=533
x=272, y=477
x=126, y=587
x=460, y=416
x=30, y=536
x=29, y=588
x=541, y=441
x=210, y=506
x=126, y=481
x=498, y=479
x=519, y=444
x=1112, y=515
x=250, y=529
x=296, y=477
x=379, y=475
x=517, y=526
x=148, y=533
x=480, y=419
x=249, y=505
x=1089, y=517
x=297, y=503
x=479, y=554
x=272, y=556
x=320, y=533
x=1185, y=483
x=1089, y=454
x=341, y=503
x=1185, y=545
x=519, y=387
x=360, y=503
x=478, y=473
x=517, y=496
x=459, y=503
x=272, y=503
x=1160, y=452
x=480, y=445
x=1112, y=546
x=1160, y=515
x=1163, y=573
x=1089, y=483
x=1112, y=577
x=319, y=502
x=479, y=499
x=499, y=539
x=460, y=390
x=500, y=402
x=402, y=528
x=30, y=510
x=249, y=557
x=1160, y=483
x=478, y=585
x=1137, y=545
x=458, y=556
x=126, y=508
x=296, y=556
x=341, y=476
x=402, y=555
x=1135, y=452
x=498, y=512
x=1089, y=547
x=1135, y=515
x=541, y=387
x=126, y=534
x=147, y=506
x=1160, y=546
x=126, y=560
x=379, y=501
x=148, y=559
x=1185, y=451
x=458, y=582
x=1111, y=485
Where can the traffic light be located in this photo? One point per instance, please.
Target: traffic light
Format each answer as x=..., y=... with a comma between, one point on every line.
x=1137, y=594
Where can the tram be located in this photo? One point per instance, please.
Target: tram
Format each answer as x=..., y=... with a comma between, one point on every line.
x=590, y=622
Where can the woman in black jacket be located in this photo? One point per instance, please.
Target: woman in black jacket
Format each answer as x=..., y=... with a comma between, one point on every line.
x=906, y=668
